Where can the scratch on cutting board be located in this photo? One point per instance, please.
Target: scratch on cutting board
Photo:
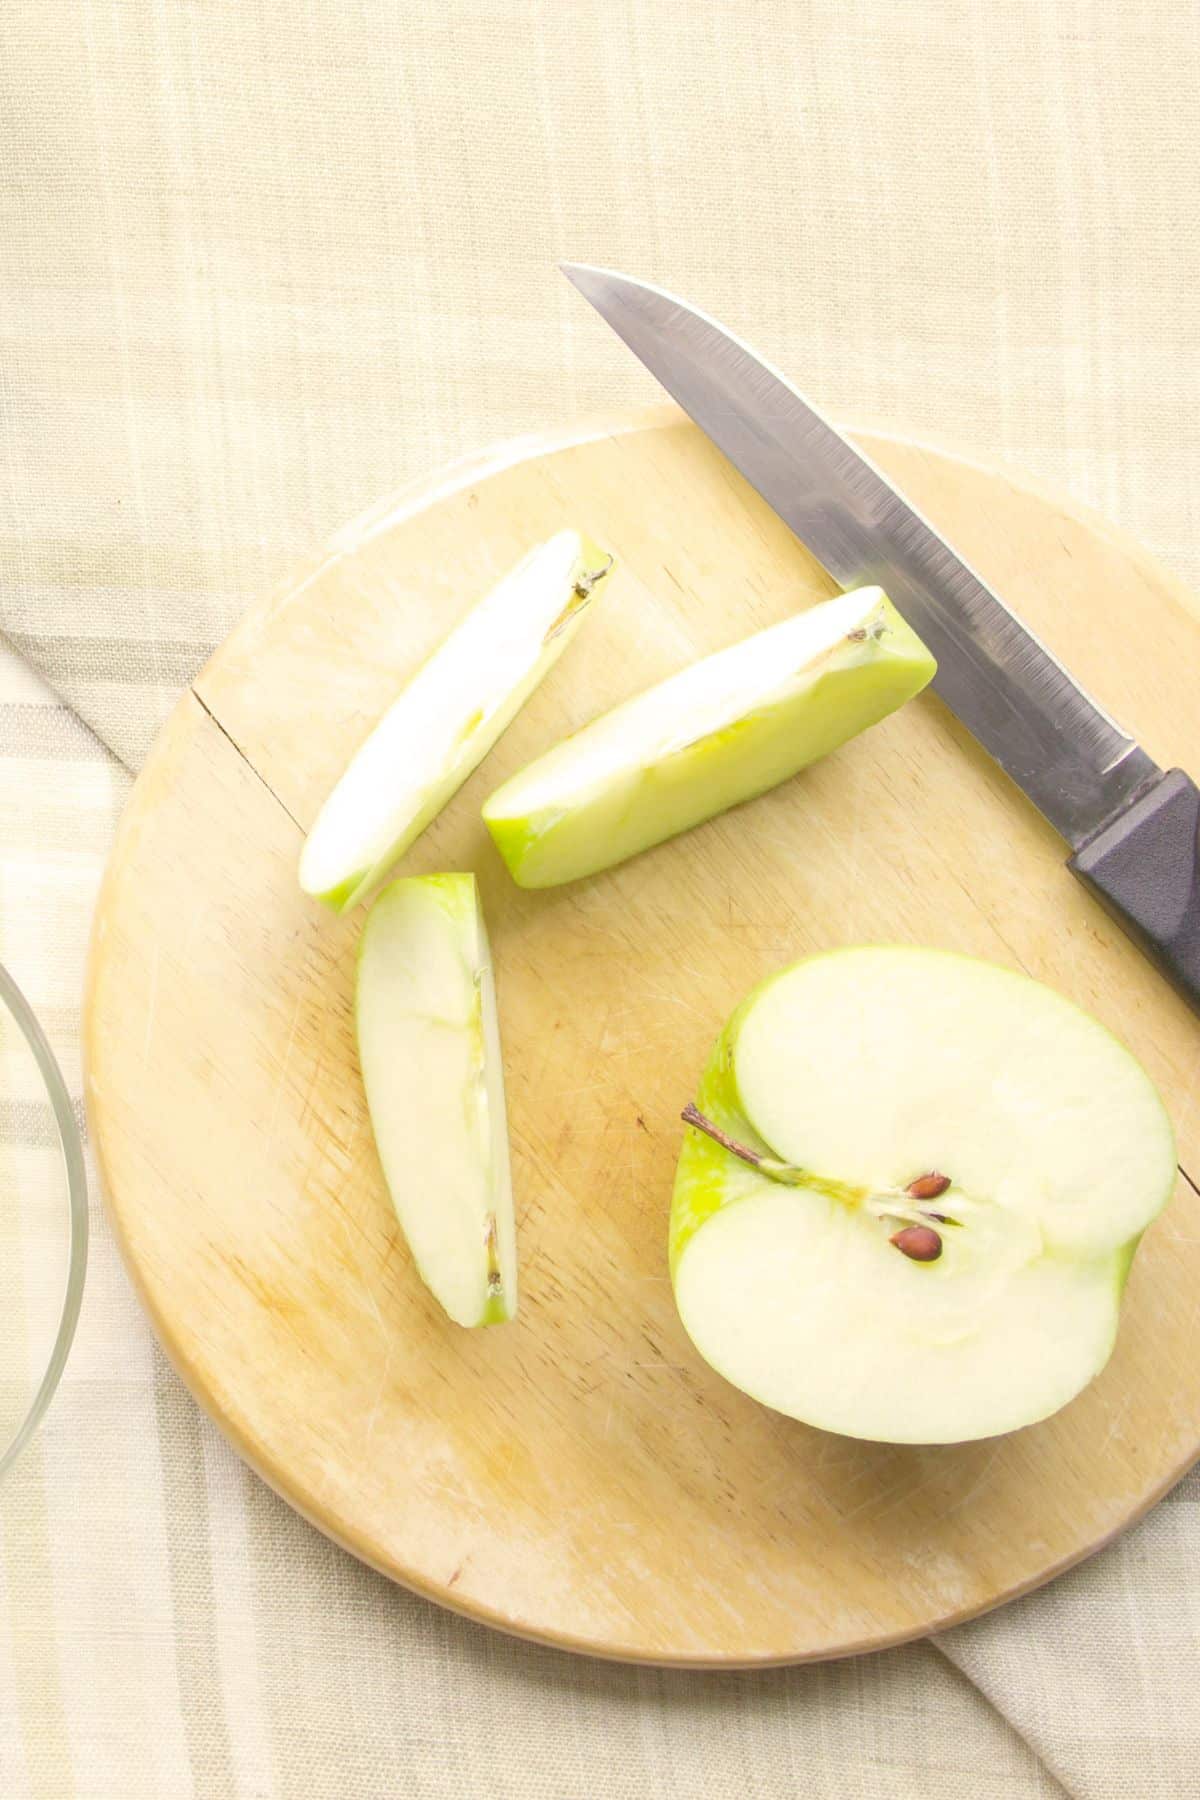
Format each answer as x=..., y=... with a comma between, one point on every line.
x=976, y=1487
x=1185, y=1106
x=281, y=1078
x=904, y=1497
x=1118, y=1420
x=681, y=1000
x=151, y=1005
x=584, y=1087
x=379, y=1392
x=198, y=912
x=875, y=1501
x=338, y=1215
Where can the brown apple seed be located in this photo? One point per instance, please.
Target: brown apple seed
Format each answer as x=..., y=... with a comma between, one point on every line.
x=928, y=1187
x=919, y=1242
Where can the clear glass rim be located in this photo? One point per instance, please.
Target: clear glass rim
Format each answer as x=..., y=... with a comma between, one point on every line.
x=73, y=1165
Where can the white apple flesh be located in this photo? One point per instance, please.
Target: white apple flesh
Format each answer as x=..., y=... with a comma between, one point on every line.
x=719, y=732
x=448, y=717
x=429, y=1048
x=850, y=1086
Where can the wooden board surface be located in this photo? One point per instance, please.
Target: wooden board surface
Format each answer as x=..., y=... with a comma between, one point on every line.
x=580, y=1476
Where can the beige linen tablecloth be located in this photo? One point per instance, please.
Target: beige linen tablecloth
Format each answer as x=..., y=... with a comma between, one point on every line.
x=260, y=262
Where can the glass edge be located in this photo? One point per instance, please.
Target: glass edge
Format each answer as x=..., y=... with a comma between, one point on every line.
x=72, y=1152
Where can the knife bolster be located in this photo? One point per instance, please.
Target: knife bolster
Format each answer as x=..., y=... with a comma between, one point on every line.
x=1144, y=867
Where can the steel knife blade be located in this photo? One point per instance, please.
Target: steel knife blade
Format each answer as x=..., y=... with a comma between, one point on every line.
x=1134, y=828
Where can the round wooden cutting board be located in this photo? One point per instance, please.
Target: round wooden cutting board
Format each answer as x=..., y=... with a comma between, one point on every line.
x=580, y=1476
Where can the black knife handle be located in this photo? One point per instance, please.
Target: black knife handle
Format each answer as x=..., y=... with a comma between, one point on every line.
x=1145, y=868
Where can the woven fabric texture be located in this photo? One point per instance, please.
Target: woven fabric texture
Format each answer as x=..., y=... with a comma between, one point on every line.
x=262, y=262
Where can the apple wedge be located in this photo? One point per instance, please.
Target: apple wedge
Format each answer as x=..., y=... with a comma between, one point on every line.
x=910, y=1195
x=719, y=732
x=448, y=717
x=429, y=1048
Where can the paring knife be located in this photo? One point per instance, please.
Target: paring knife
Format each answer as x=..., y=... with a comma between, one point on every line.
x=1133, y=829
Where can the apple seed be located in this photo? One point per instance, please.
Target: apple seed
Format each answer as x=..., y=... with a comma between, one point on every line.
x=918, y=1242
x=928, y=1187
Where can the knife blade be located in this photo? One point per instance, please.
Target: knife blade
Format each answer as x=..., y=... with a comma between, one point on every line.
x=1133, y=828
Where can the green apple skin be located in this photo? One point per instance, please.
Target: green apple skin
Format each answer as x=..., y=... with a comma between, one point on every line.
x=563, y=817
x=712, y=1185
x=447, y=718
x=429, y=1050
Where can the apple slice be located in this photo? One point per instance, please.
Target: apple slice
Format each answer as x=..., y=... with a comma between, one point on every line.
x=911, y=1194
x=429, y=1046
x=718, y=732
x=448, y=717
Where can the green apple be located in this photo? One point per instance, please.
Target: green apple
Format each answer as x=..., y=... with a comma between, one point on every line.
x=910, y=1194
x=718, y=732
x=429, y=1047
x=448, y=717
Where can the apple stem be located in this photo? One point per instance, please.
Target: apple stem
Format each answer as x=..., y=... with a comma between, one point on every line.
x=581, y=593
x=903, y=1205
x=691, y=1115
x=770, y=1166
x=590, y=577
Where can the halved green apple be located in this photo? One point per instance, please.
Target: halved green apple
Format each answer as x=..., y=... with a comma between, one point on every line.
x=448, y=717
x=719, y=732
x=429, y=1046
x=910, y=1196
